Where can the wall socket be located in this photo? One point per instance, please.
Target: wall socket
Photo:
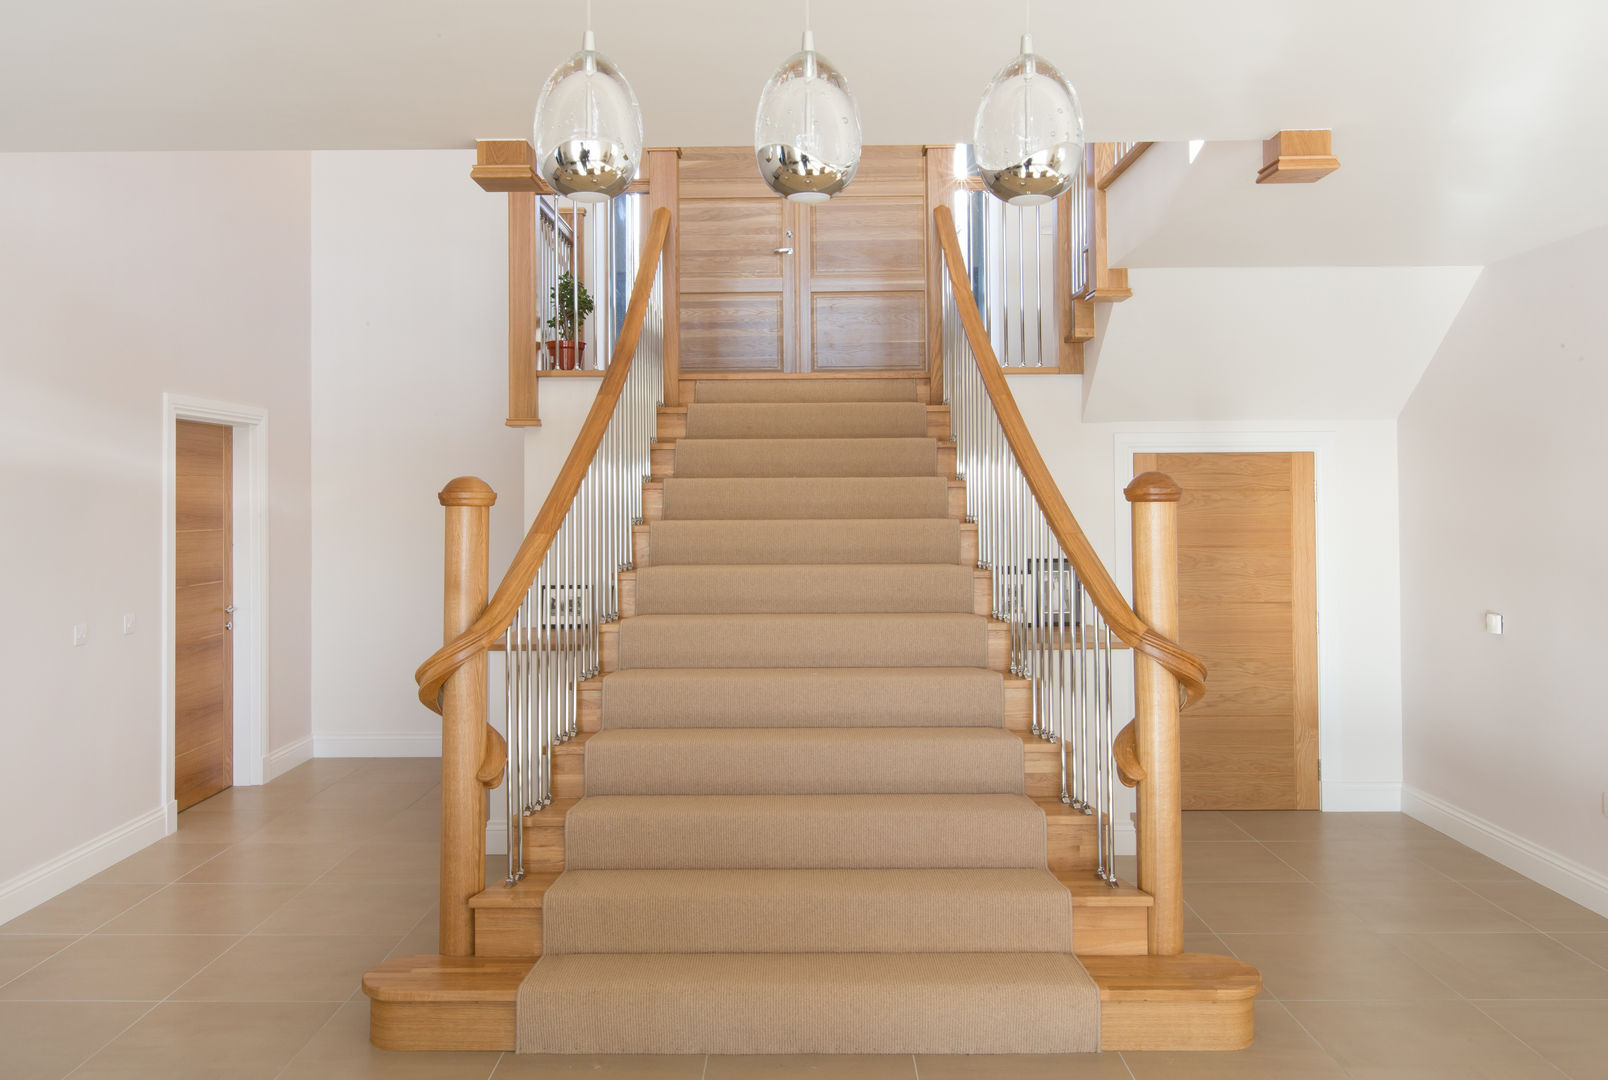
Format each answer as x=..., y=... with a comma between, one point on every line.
x=128, y=623
x=81, y=633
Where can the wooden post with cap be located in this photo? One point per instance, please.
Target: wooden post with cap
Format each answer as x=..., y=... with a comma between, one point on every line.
x=1154, y=497
x=468, y=500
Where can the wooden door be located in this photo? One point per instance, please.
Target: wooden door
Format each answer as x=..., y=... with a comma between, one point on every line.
x=738, y=288
x=768, y=285
x=203, y=603
x=1247, y=586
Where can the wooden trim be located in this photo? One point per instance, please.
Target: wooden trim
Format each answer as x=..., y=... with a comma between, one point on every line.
x=1297, y=157
x=941, y=186
x=664, y=178
x=1121, y=164
x=522, y=388
x=510, y=165
x=1304, y=596
x=1107, y=597
x=494, y=619
x=1067, y=307
x=1105, y=282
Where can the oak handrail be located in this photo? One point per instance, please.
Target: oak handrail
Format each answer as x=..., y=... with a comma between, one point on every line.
x=1097, y=581
x=504, y=603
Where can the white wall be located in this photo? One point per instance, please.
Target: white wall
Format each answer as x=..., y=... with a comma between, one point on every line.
x=1502, y=448
x=410, y=389
x=124, y=276
x=1359, y=595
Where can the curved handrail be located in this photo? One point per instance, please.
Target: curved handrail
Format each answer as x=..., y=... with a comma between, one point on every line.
x=1097, y=582
x=504, y=603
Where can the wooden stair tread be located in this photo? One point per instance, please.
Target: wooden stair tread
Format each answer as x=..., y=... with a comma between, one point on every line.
x=527, y=892
x=448, y=979
x=1186, y=977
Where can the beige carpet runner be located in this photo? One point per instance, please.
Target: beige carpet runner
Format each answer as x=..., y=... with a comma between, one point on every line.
x=804, y=828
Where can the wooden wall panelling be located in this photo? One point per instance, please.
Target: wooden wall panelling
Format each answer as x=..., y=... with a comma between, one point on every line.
x=664, y=190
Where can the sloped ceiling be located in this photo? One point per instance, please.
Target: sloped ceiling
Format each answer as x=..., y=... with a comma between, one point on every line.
x=1468, y=129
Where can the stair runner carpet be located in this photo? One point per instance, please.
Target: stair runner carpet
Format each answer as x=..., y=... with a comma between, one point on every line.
x=804, y=828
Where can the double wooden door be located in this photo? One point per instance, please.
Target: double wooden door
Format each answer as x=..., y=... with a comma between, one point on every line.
x=1247, y=589
x=768, y=285
x=204, y=606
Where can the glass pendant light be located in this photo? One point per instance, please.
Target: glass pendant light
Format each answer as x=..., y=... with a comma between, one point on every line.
x=588, y=127
x=807, y=131
x=1028, y=136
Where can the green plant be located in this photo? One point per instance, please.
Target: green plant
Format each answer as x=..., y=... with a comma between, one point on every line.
x=571, y=305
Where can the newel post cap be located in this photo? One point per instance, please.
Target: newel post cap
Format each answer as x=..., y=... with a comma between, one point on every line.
x=1152, y=487
x=468, y=491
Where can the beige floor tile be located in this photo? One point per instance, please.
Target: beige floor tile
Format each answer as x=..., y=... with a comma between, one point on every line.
x=1505, y=965
x=1593, y=947
x=1418, y=1040
x=1540, y=906
x=160, y=863
x=118, y=967
x=307, y=825
x=288, y=968
x=1335, y=967
x=1234, y=862
x=821, y=1066
x=1268, y=908
x=1307, y=826
x=424, y=939
x=286, y=863
x=354, y=907
x=19, y=952
x=326, y=770
x=1212, y=826
x=1465, y=864
x=189, y=1041
x=44, y=1040
x=1282, y=1051
x=1422, y=907
x=604, y=1067
x=1106, y=1066
x=1354, y=860
x=363, y=794
x=389, y=862
x=280, y=795
x=233, y=908
x=341, y=1051
x=410, y=827
x=1193, y=923
x=80, y=909
x=226, y=827
x=1573, y=1035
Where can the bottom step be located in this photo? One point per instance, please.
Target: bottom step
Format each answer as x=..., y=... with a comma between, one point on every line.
x=1188, y=1002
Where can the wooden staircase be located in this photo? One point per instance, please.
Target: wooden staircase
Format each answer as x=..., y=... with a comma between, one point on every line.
x=1146, y=1001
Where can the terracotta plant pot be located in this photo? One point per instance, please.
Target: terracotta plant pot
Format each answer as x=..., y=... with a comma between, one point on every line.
x=566, y=355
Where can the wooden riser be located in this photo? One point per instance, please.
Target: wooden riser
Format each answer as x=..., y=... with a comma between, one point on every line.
x=664, y=459
x=999, y=645
x=689, y=387
x=642, y=549
x=673, y=422
x=1189, y=1002
x=1018, y=704
x=653, y=499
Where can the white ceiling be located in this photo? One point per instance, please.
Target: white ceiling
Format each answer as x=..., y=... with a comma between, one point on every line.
x=1475, y=125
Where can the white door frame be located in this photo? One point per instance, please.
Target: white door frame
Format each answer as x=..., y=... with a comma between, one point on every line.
x=1320, y=444
x=249, y=505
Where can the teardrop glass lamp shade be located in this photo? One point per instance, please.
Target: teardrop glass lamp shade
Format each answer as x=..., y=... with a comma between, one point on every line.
x=807, y=131
x=588, y=128
x=1028, y=137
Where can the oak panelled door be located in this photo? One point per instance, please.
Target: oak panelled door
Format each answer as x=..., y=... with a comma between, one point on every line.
x=204, y=606
x=1247, y=590
x=768, y=285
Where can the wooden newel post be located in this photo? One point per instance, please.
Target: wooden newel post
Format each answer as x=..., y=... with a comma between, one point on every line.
x=1154, y=497
x=463, y=713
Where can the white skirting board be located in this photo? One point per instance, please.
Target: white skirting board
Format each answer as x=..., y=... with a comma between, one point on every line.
x=286, y=758
x=1361, y=796
x=377, y=745
x=1579, y=883
x=33, y=887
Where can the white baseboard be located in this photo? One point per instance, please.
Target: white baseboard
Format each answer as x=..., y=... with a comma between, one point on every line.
x=1559, y=873
x=286, y=758
x=377, y=745
x=496, y=838
x=33, y=887
x=1361, y=796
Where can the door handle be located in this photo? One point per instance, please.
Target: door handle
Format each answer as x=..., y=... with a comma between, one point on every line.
x=229, y=610
x=784, y=251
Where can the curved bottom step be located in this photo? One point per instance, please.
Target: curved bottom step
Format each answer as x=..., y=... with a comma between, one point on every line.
x=1190, y=1002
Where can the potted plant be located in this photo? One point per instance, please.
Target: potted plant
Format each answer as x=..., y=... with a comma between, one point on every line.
x=571, y=306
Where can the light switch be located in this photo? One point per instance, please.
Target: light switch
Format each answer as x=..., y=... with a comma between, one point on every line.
x=1493, y=622
x=128, y=623
x=81, y=633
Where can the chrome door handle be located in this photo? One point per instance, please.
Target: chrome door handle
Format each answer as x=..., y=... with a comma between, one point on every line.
x=229, y=610
x=784, y=251
x=229, y=625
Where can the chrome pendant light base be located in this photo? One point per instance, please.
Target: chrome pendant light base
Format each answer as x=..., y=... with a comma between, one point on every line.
x=807, y=129
x=588, y=129
x=800, y=177
x=1028, y=135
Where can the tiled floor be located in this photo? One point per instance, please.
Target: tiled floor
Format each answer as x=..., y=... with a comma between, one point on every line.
x=233, y=950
